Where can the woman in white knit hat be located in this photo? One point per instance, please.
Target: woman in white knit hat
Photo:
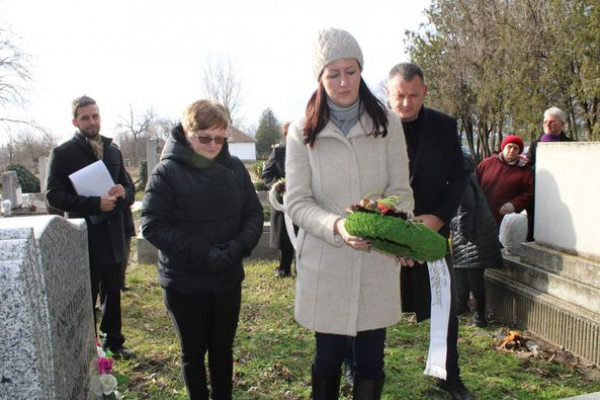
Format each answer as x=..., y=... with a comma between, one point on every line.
x=347, y=146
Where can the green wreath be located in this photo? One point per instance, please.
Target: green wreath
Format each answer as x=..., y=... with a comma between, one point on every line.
x=397, y=236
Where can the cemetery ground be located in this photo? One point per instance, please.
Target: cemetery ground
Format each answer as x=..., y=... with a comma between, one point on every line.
x=273, y=354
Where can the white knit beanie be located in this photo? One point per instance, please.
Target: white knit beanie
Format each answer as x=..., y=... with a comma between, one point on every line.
x=332, y=45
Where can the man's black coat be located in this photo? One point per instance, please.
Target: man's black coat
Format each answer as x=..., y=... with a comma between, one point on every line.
x=438, y=179
x=106, y=236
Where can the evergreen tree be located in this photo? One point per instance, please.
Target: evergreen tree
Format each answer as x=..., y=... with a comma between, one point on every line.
x=268, y=133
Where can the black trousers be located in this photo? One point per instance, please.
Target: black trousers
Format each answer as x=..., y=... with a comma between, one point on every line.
x=285, y=260
x=126, y=261
x=286, y=251
x=471, y=280
x=368, y=347
x=206, y=322
x=107, y=279
x=452, y=339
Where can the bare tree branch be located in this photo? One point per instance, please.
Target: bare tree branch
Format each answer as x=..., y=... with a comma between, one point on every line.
x=14, y=70
x=136, y=128
x=222, y=84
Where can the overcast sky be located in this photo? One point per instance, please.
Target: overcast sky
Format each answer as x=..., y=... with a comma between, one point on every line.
x=151, y=53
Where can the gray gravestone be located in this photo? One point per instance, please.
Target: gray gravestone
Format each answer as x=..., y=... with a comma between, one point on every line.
x=43, y=168
x=47, y=336
x=151, y=156
x=11, y=188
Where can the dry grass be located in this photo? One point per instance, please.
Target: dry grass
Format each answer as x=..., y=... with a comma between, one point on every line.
x=273, y=354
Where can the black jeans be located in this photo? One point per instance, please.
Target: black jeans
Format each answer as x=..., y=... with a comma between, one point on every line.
x=106, y=279
x=206, y=322
x=471, y=280
x=452, y=367
x=368, y=354
x=286, y=252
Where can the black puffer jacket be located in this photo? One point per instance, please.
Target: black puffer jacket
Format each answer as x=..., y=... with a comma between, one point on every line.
x=192, y=204
x=475, y=242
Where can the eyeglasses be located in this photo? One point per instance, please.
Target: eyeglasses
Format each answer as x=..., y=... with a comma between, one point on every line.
x=207, y=139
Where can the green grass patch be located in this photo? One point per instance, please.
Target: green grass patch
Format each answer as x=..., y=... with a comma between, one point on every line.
x=273, y=354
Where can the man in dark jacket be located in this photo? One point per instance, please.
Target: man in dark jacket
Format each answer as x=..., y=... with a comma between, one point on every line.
x=438, y=180
x=103, y=214
x=275, y=170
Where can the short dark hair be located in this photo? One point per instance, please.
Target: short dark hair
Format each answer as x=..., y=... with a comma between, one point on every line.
x=81, y=101
x=407, y=71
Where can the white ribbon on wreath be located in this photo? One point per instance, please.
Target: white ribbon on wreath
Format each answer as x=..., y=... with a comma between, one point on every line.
x=274, y=196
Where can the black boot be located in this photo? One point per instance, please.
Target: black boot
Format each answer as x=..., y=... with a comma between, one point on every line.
x=479, y=320
x=326, y=389
x=456, y=388
x=366, y=389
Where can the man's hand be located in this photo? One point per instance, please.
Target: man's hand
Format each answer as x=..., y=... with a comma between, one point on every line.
x=431, y=221
x=117, y=191
x=107, y=202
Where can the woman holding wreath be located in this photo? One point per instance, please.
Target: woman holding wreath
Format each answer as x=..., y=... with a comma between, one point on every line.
x=347, y=146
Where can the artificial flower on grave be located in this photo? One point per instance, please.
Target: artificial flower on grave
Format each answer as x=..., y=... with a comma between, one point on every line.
x=105, y=384
x=393, y=231
x=104, y=387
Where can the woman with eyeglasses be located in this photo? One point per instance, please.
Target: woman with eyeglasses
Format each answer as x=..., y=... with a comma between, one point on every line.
x=202, y=212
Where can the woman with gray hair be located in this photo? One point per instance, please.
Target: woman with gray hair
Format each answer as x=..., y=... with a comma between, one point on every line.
x=347, y=146
x=555, y=120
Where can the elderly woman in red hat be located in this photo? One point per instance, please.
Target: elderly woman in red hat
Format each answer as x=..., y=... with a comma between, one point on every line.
x=506, y=179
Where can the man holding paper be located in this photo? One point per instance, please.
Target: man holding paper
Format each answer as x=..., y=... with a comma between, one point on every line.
x=88, y=158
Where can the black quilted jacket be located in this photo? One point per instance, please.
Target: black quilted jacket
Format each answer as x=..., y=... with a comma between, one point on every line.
x=475, y=242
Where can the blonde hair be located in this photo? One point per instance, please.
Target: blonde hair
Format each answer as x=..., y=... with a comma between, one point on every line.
x=204, y=114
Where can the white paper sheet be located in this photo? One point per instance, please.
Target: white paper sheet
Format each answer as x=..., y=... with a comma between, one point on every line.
x=93, y=180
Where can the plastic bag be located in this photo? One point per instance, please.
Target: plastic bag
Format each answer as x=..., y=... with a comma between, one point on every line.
x=513, y=232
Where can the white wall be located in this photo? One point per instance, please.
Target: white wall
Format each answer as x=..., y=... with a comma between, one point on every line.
x=244, y=151
x=567, y=200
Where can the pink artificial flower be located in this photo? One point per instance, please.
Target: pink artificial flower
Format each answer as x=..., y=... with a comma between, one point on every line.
x=105, y=365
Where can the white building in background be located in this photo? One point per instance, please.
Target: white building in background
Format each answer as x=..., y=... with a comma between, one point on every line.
x=241, y=144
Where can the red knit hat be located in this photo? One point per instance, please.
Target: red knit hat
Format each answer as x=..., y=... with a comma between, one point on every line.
x=513, y=139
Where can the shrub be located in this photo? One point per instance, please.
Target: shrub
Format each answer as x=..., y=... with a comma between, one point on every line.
x=28, y=181
x=260, y=186
x=258, y=168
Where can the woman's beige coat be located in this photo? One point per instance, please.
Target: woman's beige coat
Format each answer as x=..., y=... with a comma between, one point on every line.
x=341, y=290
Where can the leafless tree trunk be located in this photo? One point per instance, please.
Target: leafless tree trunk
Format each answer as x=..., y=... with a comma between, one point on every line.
x=137, y=128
